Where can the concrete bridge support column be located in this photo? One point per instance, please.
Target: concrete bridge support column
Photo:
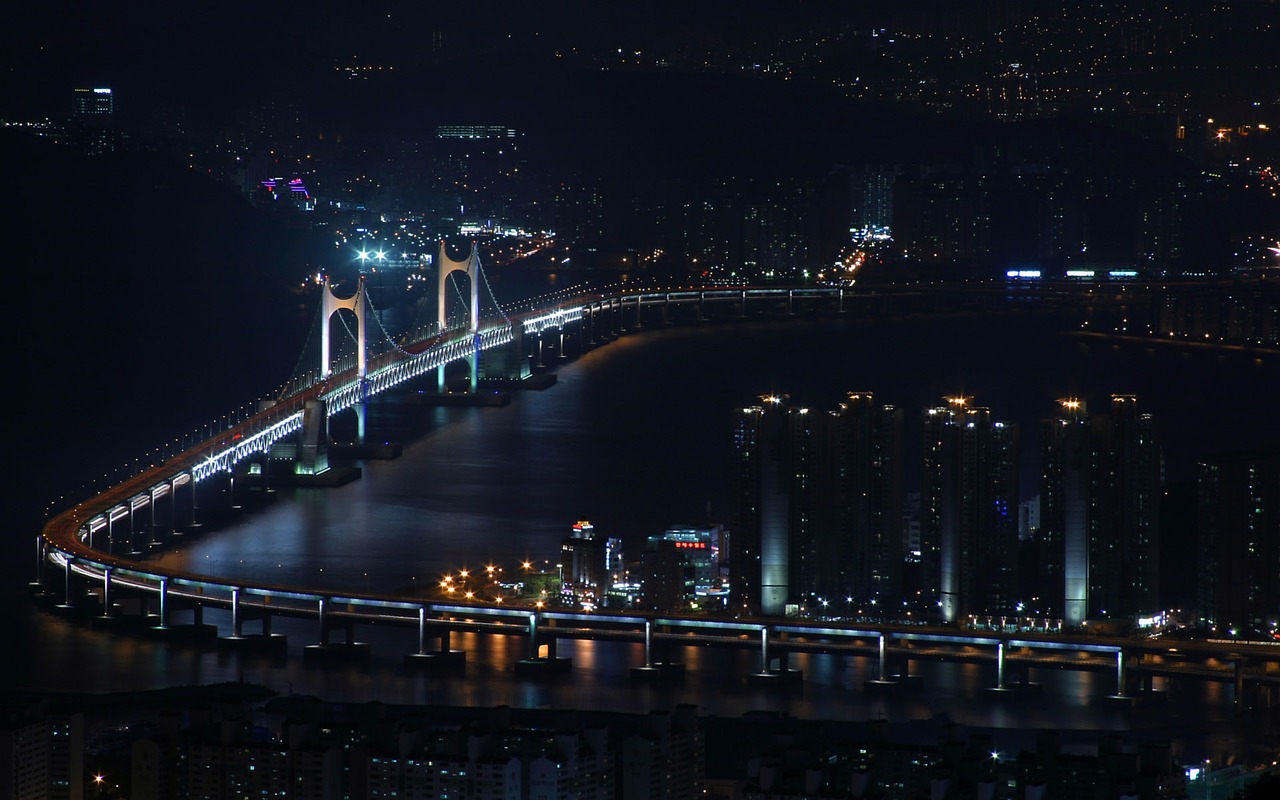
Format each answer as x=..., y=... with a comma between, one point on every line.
x=151, y=528
x=882, y=679
x=561, y=355
x=655, y=669
x=422, y=631
x=767, y=673
x=195, y=504
x=40, y=561
x=639, y=321
x=235, y=613
x=69, y=582
x=538, y=665
x=1000, y=667
x=362, y=420
x=324, y=652
x=133, y=531
x=163, y=621
x=106, y=591
x=440, y=659
x=173, y=508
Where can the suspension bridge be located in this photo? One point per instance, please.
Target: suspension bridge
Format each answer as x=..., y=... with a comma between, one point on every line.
x=99, y=548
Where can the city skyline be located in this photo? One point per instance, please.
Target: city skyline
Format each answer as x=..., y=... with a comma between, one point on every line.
x=1054, y=175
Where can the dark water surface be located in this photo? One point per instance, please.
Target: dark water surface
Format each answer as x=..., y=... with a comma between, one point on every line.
x=635, y=436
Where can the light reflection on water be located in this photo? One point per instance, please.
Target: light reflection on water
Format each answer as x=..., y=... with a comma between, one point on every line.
x=635, y=437
x=1197, y=717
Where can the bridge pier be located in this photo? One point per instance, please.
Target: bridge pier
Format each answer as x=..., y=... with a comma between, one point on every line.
x=1121, y=696
x=162, y=596
x=131, y=550
x=326, y=652
x=195, y=630
x=882, y=680
x=542, y=660
x=108, y=602
x=151, y=522
x=37, y=583
x=440, y=659
x=262, y=642
x=589, y=324
x=655, y=669
x=194, y=520
x=68, y=603
x=773, y=670
x=1000, y=686
x=231, y=491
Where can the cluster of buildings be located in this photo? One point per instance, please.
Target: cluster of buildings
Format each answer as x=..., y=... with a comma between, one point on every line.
x=680, y=569
x=236, y=741
x=299, y=747
x=1242, y=313
x=1245, y=315
x=1027, y=196
x=821, y=525
x=939, y=759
